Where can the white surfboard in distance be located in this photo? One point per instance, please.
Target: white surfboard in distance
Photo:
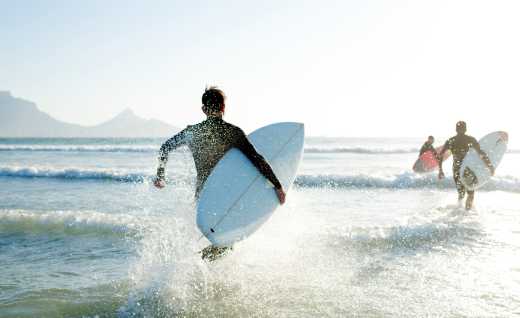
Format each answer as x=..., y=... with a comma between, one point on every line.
x=237, y=199
x=474, y=171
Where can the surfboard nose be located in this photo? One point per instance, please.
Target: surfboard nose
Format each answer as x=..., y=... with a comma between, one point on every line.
x=504, y=136
x=292, y=123
x=299, y=126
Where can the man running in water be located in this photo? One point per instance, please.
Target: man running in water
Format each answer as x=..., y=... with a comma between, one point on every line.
x=428, y=146
x=208, y=142
x=459, y=146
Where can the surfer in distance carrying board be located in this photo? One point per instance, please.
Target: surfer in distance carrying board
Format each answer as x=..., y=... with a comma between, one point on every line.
x=428, y=146
x=459, y=146
x=209, y=141
x=428, y=160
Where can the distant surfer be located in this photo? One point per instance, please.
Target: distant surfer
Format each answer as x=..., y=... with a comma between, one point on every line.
x=428, y=146
x=209, y=141
x=428, y=157
x=459, y=146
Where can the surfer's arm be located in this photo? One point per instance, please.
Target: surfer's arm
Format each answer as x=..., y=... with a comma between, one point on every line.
x=440, y=156
x=258, y=161
x=168, y=146
x=483, y=156
x=262, y=165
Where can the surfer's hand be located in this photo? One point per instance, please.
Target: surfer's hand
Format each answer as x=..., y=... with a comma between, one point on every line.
x=492, y=170
x=441, y=175
x=159, y=183
x=281, y=195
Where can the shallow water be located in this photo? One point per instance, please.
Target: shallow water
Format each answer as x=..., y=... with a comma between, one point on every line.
x=83, y=233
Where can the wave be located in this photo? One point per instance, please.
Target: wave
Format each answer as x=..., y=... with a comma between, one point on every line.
x=447, y=230
x=360, y=150
x=81, y=148
x=155, y=148
x=152, y=148
x=74, y=174
x=69, y=222
x=373, y=151
x=406, y=180
x=400, y=181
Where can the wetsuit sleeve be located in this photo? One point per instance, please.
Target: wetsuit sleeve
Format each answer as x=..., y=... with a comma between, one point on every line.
x=170, y=144
x=257, y=159
x=482, y=154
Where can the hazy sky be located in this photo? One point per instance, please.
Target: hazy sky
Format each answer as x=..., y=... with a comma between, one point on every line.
x=349, y=68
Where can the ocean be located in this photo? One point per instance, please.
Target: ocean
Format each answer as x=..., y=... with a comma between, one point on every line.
x=83, y=233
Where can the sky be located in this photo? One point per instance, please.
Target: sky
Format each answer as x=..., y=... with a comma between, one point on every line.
x=344, y=68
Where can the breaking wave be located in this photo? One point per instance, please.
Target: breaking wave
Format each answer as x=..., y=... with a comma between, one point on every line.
x=360, y=150
x=81, y=148
x=74, y=174
x=155, y=148
x=152, y=148
x=398, y=181
x=406, y=180
x=69, y=222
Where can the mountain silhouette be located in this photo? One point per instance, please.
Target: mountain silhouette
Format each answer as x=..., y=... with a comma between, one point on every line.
x=22, y=118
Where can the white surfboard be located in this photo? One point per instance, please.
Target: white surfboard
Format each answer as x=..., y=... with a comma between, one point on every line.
x=236, y=199
x=474, y=171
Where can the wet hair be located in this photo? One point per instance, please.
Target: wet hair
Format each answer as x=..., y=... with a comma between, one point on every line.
x=460, y=127
x=213, y=99
x=431, y=137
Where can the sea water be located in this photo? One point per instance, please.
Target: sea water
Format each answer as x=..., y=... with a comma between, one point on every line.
x=83, y=233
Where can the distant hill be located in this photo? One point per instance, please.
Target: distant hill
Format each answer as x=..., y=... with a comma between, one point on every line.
x=22, y=118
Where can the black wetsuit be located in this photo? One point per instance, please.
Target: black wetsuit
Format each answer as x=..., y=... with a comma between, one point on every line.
x=208, y=142
x=427, y=147
x=459, y=146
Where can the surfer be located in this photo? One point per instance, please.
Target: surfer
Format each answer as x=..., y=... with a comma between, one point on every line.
x=459, y=146
x=428, y=157
x=428, y=146
x=208, y=142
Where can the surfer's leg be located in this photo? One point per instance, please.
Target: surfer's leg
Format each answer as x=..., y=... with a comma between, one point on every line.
x=458, y=183
x=469, y=200
x=462, y=192
x=213, y=252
